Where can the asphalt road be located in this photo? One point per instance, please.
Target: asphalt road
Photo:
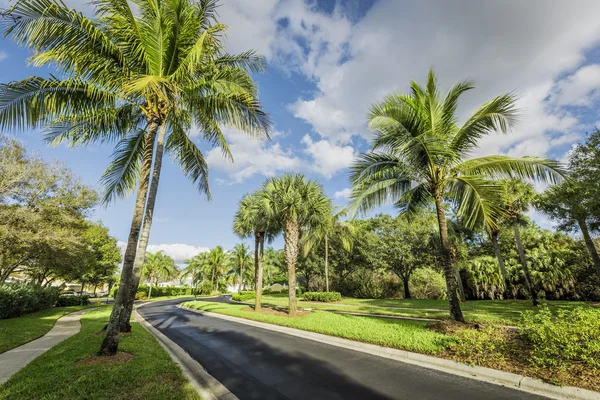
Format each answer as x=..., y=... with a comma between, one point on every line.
x=255, y=363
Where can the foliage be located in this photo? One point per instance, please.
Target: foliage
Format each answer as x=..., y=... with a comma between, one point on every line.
x=566, y=338
x=326, y=297
x=162, y=291
x=584, y=160
x=159, y=267
x=241, y=265
x=427, y=283
x=17, y=299
x=66, y=301
x=244, y=295
x=479, y=346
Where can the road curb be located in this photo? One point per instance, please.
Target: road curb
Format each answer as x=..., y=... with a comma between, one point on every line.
x=205, y=384
x=489, y=375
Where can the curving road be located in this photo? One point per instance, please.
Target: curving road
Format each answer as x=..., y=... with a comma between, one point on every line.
x=255, y=363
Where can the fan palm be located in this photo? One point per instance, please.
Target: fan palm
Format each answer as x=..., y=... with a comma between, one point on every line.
x=158, y=266
x=144, y=79
x=420, y=155
x=240, y=257
x=298, y=205
x=251, y=220
x=323, y=232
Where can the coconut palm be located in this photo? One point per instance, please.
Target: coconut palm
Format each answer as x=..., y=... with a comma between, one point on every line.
x=196, y=268
x=158, y=266
x=517, y=197
x=298, y=205
x=322, y=233
x=252, y=220
x=143, y=79
x=216, y=264
x=420, y=156
x=240, y=257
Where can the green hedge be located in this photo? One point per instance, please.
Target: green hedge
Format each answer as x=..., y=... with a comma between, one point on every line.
x=66, y=301
x=142, y=292
x=244, y=295
x=322, y=296
x=17, y=299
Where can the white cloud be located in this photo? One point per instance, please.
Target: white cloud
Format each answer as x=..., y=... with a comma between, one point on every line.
x=343, y=194
x=580, y=88
x=178, y=251
x=3, y=56
x=328, y=158
x=252, y=157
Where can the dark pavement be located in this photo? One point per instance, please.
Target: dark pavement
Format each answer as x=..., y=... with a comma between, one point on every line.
x=255, y=363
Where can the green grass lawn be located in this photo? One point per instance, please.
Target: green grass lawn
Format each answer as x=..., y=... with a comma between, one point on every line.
x=17, y=331
x=490, y=311
x=150, y=374
x=408, y=335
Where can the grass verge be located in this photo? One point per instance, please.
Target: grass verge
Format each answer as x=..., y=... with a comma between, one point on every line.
x=70, y=371
x=15, y=332
x=409, y=335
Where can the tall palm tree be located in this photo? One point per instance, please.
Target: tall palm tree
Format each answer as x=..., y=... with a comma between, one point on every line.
x=299, y=205
x=158, y=266
x=251, y=219
x=323, y=232
x=420, y=156
x=240, y=257
x=143, y=79
x=518, y=196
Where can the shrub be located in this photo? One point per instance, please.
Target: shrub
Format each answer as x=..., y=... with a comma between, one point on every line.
x=479, y=346
x=322, y=296
x=157, y=291
x=65, y=301
x=17, y=299
x=570, y=337
x=244, y=295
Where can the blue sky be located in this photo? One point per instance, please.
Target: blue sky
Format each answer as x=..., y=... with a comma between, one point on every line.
x=329, y=60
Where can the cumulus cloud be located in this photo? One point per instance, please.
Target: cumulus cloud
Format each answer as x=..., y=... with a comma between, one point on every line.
x=327, y=158
x=343, y=194
x=3, y=56
x=177, y=251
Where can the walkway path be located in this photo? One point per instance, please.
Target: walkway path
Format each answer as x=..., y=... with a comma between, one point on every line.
x=14, y=360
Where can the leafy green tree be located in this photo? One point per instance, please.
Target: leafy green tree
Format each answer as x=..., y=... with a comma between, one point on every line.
x=420, y=155
x=158, y=266
x=240, y=257
x=584, y=166
x=298, y=205
x=274, y=264
x=104, y=256
x=145, y=78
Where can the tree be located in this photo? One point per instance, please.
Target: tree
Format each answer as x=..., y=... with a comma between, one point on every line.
x=103, y=257
x=419, y=156
x=158, y=266
x=123, y=86
x=273, y=264
x=517, y=197
x=298, y=205
x=251, y=219
x=322, y=233
x=196, y=269
x=216, y=262
x=240, y=257
x=584, y=165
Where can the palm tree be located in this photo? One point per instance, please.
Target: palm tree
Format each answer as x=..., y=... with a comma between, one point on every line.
x=216, y=263
x=517, y=197
x=158, y=266
x=274, y=263
x=251, y=219
x=323, y=232
x=420, y=156
x=196, y=267
x=298, y=205
x=143, y=79
x=240, y=256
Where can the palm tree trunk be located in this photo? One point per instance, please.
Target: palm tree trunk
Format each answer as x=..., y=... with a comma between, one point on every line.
x=140, y=258
x=453, y=300
x=326, y=263
x=259, y=246
x=590, y=244
x=213, y=278
x=528, y=281
x=291, y=236
x=461, y=288
x=150, y=290
x=241, y=276
x=110, y=343
x=494, y=239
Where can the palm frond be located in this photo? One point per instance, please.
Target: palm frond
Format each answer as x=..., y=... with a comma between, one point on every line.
x=477, y=199
x=535, y=168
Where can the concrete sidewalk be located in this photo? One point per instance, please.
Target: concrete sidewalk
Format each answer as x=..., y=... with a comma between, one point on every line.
x=14, y=360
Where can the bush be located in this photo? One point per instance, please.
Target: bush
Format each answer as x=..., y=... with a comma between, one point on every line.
x=17, y=299
x=65, y=301
x=570, y=337
x=142, y=292
x=244, y=295
x=322, y=296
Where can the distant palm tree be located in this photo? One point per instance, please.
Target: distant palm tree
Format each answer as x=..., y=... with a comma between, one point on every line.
x=240, y=257
x=216, y=264
x=518, y=196
x=323, y=232
x=420, y=156
x=274, y=263
x=158, y=266
x=251, y=219
x=135, y=77
x=298, y=204
x=196, y=269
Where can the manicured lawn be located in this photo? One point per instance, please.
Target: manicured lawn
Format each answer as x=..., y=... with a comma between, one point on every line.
x=490, y=311
x=150, y=374
x=17, y=331
x=408, y=335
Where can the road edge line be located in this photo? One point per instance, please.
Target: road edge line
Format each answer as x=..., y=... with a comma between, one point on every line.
x=489, y=375
x=204, y=383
